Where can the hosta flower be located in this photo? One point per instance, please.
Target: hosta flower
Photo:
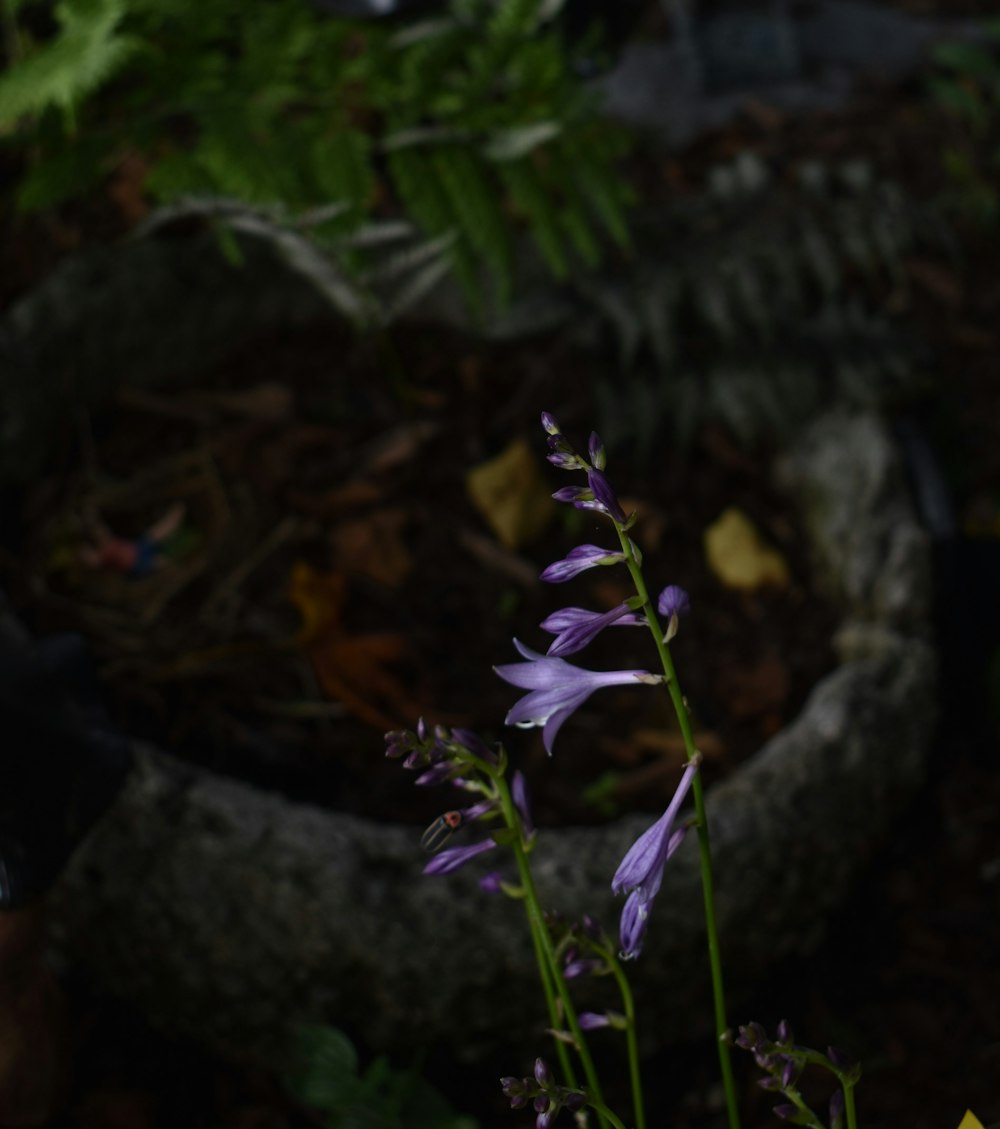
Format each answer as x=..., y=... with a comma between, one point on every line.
x=574, y=628
x=640, y=872
x=557, y=688
x=579, y=560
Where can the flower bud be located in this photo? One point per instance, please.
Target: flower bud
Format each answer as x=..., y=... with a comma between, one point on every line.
x=543, y=1073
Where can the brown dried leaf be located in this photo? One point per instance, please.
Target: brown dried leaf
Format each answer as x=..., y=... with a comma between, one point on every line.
x=737, y=554
x=511, y=494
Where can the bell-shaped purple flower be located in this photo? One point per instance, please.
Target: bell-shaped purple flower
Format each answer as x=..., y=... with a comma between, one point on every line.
x=454, y=858
x=579, y=560
x=574, y=628
x=640, y=872
x=557, y=688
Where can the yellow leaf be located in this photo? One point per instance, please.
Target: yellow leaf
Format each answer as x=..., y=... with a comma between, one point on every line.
x=738, y=555
x=970, y=1121
x=511, y=494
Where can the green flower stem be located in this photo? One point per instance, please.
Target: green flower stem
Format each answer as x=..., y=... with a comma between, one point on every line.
x=551, y=973
x=602, y=1111
x=632, y=1042
x=704, y=845
x=849, y=1111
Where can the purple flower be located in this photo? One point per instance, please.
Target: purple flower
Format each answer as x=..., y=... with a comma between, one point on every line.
x=557, y=689
x=574, y=628
x=579, y=560
x=491, y=883
x=640, y=872
x=454, y=858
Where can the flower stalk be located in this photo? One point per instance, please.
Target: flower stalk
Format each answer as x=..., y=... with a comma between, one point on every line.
x=722, y=1031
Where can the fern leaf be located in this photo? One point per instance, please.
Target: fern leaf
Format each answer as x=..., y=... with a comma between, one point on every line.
x=531, y=199
x=87, y=51
x=474, y=202
x=426, y=202
x=342, y=167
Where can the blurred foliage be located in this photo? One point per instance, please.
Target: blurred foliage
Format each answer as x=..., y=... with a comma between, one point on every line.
x=469, y=124
x=965, y=83
x=327, y=1076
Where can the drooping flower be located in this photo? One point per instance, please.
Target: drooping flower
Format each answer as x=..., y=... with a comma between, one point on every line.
x=579, y=560
x=640, y=872
x=454, y=858
x=574, y=628
x=557, y=688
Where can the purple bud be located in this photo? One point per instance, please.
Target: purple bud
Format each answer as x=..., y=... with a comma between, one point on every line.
x=785, y=1034
x=454, y=858
x=769, y=1083
x=541, y=1103
x=398, y=743
x=604, y=495
x=837, y=1106
x=750, y=1035
x=595, y=448
x=578, y=560
x=474, y=744
x=574, y=1101
x=581, y=967
x=673, y=601
x=545, y=1119
x=543, y=1072
x=592, y=927
x=519, y=794
x=788, y=1073
x=839, y=1058
x=571, y=494
x=436, y=774
x=510, y=1086
x=564, y=460
x=592, y=1020
x=550, y=424
x=785, y=1111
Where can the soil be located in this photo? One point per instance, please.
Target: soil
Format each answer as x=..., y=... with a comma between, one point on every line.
x=327, y=524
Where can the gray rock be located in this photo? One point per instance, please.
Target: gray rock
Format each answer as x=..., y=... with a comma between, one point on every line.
x=232, y=915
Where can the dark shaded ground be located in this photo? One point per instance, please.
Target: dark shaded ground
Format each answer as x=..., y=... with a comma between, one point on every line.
x=909, y=979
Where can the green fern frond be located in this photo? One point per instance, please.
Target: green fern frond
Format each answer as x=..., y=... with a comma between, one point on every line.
x=342, y=166
x=425, y=199
x=536, y=205
x=58, y=75
x=474, y=201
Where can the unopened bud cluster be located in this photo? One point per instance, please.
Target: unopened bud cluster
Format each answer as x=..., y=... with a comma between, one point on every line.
x=783, y=1062
x=542, y=1094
